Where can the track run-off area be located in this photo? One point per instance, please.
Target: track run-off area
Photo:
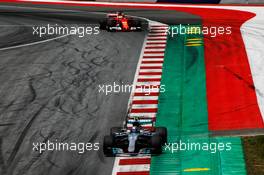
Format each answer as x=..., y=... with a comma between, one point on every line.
x=214, y=86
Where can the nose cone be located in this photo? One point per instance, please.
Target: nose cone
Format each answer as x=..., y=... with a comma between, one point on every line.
x=132, y=142
x=125, y=25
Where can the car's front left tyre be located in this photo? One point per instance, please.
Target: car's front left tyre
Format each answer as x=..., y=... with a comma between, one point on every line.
x=156, y=144
x=162, y=132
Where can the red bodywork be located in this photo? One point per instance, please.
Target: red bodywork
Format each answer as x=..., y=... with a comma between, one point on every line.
x=120, y=19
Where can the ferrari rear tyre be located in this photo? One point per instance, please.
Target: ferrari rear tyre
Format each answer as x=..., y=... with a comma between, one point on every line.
x=103, y=25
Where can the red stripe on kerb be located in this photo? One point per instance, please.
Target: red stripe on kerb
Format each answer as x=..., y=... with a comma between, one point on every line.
x=160, y=31
x=154, y=43
x=134, y=161
x=155, y=47
x=133, y=173
x=146, y=94
x=160, y=28
x=157, y=39
x=160, y=35
x=148, y=79
x=156, y=35
x=137, y=102
x=148, y=86
x=150, y=67
x=153, y=56
x=144, y=110
x=149, y=73
x=148, y=52
x=152, y=62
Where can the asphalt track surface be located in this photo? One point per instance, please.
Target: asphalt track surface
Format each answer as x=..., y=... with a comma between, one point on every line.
x=49, y=91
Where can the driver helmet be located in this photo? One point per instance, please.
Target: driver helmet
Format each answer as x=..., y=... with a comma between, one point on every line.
x=134, y=129
x=120, y=14
x=136, y=123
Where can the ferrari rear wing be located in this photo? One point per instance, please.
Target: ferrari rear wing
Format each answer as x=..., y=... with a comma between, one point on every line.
x=112, y=15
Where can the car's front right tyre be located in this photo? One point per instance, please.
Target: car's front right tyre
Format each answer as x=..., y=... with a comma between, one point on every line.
x=108, y=145
x=114, y=130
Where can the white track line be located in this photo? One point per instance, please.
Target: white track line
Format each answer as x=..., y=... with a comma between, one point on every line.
x=34, y=43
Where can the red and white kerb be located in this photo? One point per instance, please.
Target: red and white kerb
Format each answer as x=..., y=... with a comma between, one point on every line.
x=144, y=101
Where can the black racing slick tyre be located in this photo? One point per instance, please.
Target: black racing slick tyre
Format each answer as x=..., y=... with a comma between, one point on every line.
x=108, y=145
x=110, y=24
x=156, y=144
x=103, y=25
x=162, y=132
x=138, y=24
x=135, y=23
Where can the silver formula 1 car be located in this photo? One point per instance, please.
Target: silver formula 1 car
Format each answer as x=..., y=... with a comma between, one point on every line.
x=135, y=140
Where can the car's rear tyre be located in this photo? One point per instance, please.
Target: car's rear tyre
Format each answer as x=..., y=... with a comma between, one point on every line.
x=108, y=29
x=135, y=23
x=156, y=144
x=115, y=130
x=103, y=25
x=138, y=24
x=110, y=24
x=162, y=132
x=108, y=145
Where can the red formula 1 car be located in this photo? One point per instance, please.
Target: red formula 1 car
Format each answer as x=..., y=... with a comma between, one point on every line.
x=119, y=22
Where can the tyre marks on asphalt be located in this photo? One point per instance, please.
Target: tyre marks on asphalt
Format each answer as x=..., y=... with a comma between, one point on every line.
x=144, y=100
x=52, y=92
